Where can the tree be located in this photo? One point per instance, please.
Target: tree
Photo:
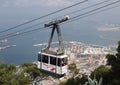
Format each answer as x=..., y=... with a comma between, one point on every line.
x=32, y=71
x=93, y=82
x=11, y=68
x=9, y=76
x=73, y=68
x=114, y=62
x=101, y=72
x=118, y=49
x=75, y=81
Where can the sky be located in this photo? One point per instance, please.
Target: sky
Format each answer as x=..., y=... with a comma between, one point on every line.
x=10, y=10
x=32, y=3
x=18, y=11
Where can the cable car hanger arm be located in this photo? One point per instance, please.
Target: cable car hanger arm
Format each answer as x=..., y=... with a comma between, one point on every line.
x=55, y=26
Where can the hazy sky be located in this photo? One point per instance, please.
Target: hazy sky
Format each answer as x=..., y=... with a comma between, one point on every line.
x=17, y=11
x=33, y=3
x=12, y=10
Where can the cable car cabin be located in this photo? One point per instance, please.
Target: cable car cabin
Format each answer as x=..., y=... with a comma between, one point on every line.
x=56, y=64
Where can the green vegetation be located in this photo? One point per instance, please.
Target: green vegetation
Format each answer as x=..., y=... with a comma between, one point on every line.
x=8, y=76
x=93, y=82
x=75, y=81
x=101, y=72
x=73, y=68
x=32, y=71
x=22, y=75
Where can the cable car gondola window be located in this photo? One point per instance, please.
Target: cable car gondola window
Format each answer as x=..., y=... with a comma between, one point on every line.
x=53, y=60
x=39, y=57
x=45, y=59
x=59, y=62
x=64, y=61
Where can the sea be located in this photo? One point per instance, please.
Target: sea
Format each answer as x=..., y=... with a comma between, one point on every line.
x=85, y=32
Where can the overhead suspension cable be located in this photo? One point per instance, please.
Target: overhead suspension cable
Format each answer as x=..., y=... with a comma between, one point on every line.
x=88, y=7
x=17, y=33
x=94, y=10
x=95, y=13
x=43, y=16
x=12, y=33
x=73, y=18
x=59, y=16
